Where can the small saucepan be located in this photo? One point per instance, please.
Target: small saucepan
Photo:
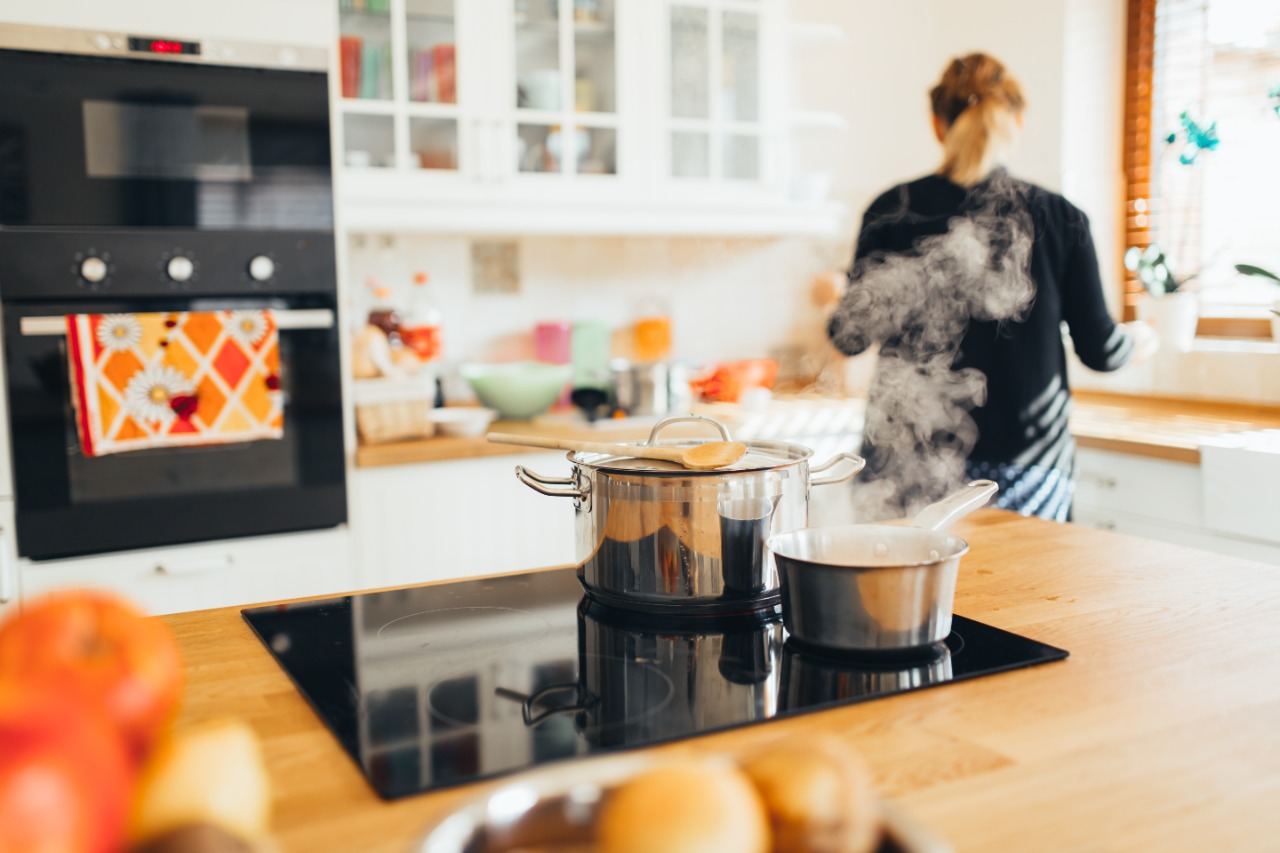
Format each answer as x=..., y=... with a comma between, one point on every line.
x=867, y=588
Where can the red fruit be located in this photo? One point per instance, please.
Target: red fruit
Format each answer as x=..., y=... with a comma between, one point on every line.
x=94, y=648
x=66, y=777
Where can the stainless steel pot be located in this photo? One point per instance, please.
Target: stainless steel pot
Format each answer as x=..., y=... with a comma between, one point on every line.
x=875, y=587
x=656, y=536
x=653, y=388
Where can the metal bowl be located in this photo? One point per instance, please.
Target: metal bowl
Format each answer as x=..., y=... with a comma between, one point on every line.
x=867, y=587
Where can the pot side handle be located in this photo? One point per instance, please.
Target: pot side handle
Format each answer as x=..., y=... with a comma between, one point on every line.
x=855, y=464
x=556, y=487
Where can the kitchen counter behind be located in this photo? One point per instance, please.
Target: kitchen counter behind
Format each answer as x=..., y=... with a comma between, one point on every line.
x=1144, y=426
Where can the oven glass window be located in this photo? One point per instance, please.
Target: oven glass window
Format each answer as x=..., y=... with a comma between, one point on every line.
x=181, y=143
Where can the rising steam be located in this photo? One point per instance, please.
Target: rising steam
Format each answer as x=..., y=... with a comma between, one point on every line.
x=918, y=306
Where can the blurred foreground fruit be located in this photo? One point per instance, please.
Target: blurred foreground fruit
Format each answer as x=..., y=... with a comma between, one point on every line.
x=94, y=647
x=211, y=774
x=819, y=795
x=684, y=807
x=65, y=776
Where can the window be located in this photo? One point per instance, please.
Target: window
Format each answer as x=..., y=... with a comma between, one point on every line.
x=1202, y=151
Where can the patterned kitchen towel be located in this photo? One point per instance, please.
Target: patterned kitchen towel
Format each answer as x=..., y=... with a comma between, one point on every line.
x=174, y=379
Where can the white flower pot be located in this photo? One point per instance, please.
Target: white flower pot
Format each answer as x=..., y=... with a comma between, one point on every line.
x=1174, y=317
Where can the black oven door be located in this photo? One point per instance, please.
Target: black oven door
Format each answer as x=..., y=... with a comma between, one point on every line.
x=69, y=504
x=108, y=142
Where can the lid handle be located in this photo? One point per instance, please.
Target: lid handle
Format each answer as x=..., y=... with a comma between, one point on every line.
x=701, y=419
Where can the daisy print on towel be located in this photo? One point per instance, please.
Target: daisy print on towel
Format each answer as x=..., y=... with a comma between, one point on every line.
x=247, y=327
x=150, y=393
x=119, y=332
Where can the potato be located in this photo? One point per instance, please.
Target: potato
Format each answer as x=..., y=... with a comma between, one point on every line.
x=684, y=807
x=819, y=796
x=207, y=774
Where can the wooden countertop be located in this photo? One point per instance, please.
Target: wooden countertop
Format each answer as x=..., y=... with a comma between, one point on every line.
x=1159, y=427
x=1145, y=426
x=1158, y=733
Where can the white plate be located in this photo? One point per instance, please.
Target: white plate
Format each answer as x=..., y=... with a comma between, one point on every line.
x=462, y=420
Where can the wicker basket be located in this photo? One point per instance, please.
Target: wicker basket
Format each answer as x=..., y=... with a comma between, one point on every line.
x=400, y=420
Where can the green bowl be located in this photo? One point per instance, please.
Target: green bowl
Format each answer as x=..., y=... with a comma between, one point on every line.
x=519, y=389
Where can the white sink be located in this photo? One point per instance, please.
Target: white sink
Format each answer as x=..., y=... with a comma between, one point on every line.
x=1240, y=474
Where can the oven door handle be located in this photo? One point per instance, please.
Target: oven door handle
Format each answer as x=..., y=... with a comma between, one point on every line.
x=287, y=320
x=8, y=572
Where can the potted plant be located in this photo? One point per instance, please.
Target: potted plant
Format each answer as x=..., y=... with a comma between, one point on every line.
x=1173, y=309
x=1259, y=272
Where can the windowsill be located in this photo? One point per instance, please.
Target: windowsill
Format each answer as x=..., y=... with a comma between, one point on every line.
x=1236, y=345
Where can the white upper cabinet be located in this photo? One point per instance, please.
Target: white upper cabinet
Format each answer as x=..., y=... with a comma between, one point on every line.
x=566, y=116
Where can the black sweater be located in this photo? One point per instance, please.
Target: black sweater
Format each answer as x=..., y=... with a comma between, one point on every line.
x=1024, y=419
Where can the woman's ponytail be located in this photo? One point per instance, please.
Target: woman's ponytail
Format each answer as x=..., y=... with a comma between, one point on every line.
x=979, y=103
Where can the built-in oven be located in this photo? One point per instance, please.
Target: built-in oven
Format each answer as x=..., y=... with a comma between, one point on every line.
x=142, y=175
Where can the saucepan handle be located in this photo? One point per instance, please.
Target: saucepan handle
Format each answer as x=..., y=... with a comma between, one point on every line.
x=696, y=419
x=853, y=464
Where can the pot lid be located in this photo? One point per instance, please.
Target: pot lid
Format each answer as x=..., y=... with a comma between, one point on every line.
x=760, y=456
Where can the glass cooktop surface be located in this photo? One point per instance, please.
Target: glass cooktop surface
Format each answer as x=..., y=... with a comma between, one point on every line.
x=442, y=685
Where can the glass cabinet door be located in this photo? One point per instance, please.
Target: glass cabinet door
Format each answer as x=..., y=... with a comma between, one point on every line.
x=566, y=86
x=398, y=62
x=431, y=83
x=715, y=99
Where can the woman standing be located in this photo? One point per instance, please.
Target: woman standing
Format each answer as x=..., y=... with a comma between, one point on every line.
x=964, y=278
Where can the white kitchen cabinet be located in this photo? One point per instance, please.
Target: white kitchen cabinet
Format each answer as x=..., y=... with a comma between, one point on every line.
x=1155, y=499
x=566, y=116
x=440, y=520
x=216, y=574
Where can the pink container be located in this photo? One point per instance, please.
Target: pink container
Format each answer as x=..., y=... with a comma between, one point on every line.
x=551, y=344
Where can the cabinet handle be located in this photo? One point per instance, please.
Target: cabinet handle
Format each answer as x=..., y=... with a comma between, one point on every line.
x=8, y=572
x=194, y=567
x=1103, y=482
x=1106, y=525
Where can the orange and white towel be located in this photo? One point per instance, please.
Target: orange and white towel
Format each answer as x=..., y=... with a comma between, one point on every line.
x=174, y=379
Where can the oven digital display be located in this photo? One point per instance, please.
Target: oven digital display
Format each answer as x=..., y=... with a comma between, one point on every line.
x=146, y=44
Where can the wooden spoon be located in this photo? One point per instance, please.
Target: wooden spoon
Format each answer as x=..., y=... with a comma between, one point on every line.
x=699, y=457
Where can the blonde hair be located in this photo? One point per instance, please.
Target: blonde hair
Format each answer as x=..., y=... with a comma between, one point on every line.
x=979, y=102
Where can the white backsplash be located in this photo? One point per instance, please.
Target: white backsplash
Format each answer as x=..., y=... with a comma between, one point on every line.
x=727, y=298
x=1244, y=372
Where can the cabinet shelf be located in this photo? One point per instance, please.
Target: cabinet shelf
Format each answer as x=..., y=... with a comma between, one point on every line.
x=368, y=106
x=367, y=208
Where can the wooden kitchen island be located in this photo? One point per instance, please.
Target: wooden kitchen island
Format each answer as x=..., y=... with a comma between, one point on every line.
x=1160, y=732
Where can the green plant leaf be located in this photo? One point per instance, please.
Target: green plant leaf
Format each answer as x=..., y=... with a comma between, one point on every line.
x=1250, y=269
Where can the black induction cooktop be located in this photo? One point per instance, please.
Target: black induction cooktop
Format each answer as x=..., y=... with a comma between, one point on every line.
x=441, y=685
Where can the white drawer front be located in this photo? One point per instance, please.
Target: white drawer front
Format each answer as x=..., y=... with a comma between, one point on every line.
x=219, y=574
x=1151, y=488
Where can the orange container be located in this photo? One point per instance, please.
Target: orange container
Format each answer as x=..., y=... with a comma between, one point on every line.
x=653, y=338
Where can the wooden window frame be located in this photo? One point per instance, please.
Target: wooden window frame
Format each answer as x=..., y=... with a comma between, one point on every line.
x=1138, y=82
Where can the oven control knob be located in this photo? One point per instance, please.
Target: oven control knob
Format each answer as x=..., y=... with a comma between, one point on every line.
x=93, y=270
x=180, y=268
x=262, y=268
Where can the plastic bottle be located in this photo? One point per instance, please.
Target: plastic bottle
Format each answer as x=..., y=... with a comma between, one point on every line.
x=382, y=310
x=422, y=327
